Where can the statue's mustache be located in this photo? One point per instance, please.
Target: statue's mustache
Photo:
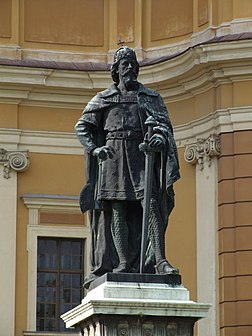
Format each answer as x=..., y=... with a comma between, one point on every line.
x=129, y=71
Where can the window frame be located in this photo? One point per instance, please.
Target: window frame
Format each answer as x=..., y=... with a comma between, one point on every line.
x=55, y=203
x=59, y=271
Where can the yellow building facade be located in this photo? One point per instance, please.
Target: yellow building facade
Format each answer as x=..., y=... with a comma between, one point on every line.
x=54, y=57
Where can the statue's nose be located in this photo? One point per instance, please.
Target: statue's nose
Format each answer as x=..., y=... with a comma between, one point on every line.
x=130, y=66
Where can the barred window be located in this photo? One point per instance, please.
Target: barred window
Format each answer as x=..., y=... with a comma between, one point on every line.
x=60, y=273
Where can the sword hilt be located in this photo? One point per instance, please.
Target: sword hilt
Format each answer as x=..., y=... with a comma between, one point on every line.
x=150, y=123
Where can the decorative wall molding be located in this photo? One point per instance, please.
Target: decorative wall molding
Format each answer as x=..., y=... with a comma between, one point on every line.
x=16, y=160
x=203, y=151
x=55, y=203
x=221, y=121
x=200, y=68
x=42, y=141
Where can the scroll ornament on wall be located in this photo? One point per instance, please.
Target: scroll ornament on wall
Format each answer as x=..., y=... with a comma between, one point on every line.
x=16, y=160
x=203, y=151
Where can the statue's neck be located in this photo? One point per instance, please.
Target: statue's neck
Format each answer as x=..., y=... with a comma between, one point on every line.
x=129, y=88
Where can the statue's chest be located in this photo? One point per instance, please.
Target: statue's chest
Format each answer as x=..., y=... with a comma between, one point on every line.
x=122, y=115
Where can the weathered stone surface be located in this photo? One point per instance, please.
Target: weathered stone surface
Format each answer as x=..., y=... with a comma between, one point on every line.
x=136, y=308
x=168, y=279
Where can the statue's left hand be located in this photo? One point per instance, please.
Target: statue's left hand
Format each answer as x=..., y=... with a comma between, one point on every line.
x=156, y=143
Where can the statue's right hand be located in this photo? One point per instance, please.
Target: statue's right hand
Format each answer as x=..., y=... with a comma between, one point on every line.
x=104, y=152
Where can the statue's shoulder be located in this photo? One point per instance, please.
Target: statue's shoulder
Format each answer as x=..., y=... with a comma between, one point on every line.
x=147, y=91
x=112, y=90
x=102, y=97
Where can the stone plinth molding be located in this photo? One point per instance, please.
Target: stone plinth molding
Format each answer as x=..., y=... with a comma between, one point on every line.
x=136, y=309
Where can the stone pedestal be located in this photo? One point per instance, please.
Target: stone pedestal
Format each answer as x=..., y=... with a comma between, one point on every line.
x=136, y=305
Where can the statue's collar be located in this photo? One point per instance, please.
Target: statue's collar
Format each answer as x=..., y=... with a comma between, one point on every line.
x=113, y=90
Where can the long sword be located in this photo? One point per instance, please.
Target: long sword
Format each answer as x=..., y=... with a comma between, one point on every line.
x=149, y=162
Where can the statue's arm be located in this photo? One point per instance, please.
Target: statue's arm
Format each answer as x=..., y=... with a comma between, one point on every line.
x=85, y=132
x=163, y=130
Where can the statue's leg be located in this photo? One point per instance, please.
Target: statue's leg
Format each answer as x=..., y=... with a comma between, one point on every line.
x=157, y=238
x=119, y=231
x=156, y=231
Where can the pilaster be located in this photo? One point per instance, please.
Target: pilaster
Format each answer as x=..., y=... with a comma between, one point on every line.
x=13, y=161
x=203, y=153
x=8, y=220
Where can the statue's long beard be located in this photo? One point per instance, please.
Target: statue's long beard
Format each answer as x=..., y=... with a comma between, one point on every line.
x=129, y=80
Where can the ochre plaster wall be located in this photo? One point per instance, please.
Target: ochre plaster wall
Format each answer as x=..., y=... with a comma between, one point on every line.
x=52, y=174
x=189, y=109
x=9, y=115
x=37, y=117
x=180, y=20
x=181, y=231
x=5, y=18
x=67, y=23
x=126, y=20
x=242, y=9
x=96, y=26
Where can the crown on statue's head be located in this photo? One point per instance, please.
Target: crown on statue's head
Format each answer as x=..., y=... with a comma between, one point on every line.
x=124, y=52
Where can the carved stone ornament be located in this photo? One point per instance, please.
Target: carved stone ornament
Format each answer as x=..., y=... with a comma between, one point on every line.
x=203, y=151
x=16, y=160
x=123, y=329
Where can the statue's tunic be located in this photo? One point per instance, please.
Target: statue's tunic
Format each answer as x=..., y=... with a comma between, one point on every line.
x=122, y=177
x=119, y=121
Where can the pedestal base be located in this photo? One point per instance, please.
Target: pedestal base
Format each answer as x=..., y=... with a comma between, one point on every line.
x=138, y=308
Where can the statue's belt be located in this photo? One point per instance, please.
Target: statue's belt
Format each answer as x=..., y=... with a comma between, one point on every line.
x=131, y=134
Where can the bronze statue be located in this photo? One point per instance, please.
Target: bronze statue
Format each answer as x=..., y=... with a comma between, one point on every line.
x=113, y=130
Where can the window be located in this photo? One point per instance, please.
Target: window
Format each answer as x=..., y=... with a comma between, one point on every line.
x=60, y=273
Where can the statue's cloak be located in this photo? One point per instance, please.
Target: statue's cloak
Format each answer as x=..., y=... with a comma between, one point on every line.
x=166, y=172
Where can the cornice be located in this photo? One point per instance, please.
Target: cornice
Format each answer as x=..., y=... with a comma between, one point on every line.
x=221, y=121
x=52, y=202
x=194, y=71
x=41, y=141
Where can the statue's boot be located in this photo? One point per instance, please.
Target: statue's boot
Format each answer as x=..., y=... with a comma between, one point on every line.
x=157, y=238
x=119, y=231
x=164, y=267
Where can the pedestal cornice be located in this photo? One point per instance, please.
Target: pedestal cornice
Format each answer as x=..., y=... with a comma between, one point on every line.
x=136, y=299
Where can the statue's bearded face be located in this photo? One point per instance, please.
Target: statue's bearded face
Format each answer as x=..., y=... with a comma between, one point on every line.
x=127, y=71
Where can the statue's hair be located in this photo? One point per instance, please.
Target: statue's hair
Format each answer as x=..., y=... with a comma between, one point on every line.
x=122, y=52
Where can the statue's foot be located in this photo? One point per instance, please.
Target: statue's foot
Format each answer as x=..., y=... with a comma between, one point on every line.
x=163, y=267
x=122, y=268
